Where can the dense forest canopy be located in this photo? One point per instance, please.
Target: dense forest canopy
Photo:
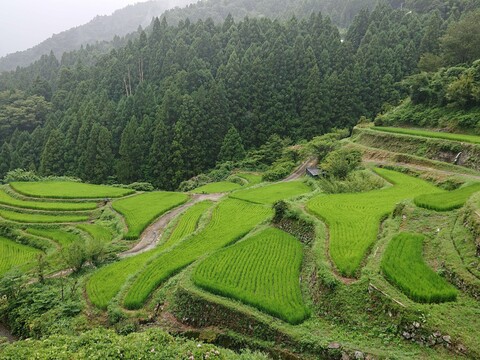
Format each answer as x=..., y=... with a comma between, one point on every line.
x=160, y=108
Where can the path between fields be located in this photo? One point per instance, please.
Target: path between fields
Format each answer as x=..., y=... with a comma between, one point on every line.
x=152, y=235
x=300, y=171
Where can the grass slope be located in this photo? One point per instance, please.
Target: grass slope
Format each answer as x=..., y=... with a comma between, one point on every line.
x=6, y=199
x=262, y=271
x=403, y=265
x=271, y=193
x=36, y=218
x=68, y=190
x=231, y=220
x=105, y=284
x=353, y=219
x=141, y=210
x=62, y=237
x=217, y=187
x=447, y=201
x=431, y=134
x=15, y=255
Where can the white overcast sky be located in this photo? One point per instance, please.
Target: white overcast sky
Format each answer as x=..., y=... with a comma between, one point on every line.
x=25, y=23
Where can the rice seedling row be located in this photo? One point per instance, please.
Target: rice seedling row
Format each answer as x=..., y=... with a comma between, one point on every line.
x=15, y=255
x=9, y=200
x=141, y=210
x=37, y=218
x=62, y=237
x=354, y=219
x=105, y=284
x=68, y=190
x=261, y=271
x=97, y=232
x=231, y=220
x=217, y=187
x=403, y=265
x=271, y=193
x=447, y=201
x=431, y=134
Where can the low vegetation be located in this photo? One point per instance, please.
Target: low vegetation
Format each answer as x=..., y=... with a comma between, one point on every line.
x=353, y=219
x=231, y=220
x=262, y=271
x=141, y=210
x=447, y=201
x=15, y=255
x=404, y=266
x=68, y=190
x=271, y=193
x=474, y=139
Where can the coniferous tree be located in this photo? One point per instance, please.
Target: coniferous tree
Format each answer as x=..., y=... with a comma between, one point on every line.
x=52, y=160
x=232, y=147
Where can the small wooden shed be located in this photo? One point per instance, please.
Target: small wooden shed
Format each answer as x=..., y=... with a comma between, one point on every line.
x=313, y=172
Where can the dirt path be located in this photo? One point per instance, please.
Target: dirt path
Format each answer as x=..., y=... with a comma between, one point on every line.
x=300, y=171
x=152, y=235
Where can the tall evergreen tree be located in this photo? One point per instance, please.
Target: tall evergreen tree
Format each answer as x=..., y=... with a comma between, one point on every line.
x=52, y=160
x=232, y=147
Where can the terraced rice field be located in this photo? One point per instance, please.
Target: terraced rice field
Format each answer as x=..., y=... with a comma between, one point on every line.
x=231, y=220
x=105, y=284
x=15, y=255
x=431, y=134
x=68, y=190
x=403, y=265
x=6, y=199
x=38, y=218
x=217, y=187
x=141, y=210
x=262, y=271
x=253, y=179
x=354, y=219
x=97, y=232
x=62, y=237
x=271, y=193
x=449, y=200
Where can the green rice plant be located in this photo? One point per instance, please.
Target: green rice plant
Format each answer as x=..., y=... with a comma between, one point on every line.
x=261, y=271
x=231, y=220
x=474, y=139
x=141, y=210
x=38, y=218
x=68, y=190
x=15, y=255
x=216, y=187
x=105, y=284
x=62, y=237
x=6, y=199
x=98, y=232
x=403, y=265
x=271, y=193
x=253, y=179
x=447, y=201
x=354, y=219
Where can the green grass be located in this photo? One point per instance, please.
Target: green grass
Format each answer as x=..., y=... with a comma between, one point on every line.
x=231, y=220
x=62, y=237
x=37, y=218
x=271, y=193
x=6, y=199
x=68, y=190
x=105, y=284
x=403, y=265
x=98, y=232
x=141, y=210
x=15, y=255
x=447, y=201
x=216, y=187
x=431, y=134
x=354, y=219
x=262, y=271
x=253, y=179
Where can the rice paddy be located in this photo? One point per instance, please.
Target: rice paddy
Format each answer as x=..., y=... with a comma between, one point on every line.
x=474, y=139
x=269, y=194
x=15, y=255
x=448, y=200
x=217, y=187
x=38, y=218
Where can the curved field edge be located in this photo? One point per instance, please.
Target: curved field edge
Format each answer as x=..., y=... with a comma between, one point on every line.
x=141, y=210
x=403, y=265
x=14, y=255
x=261, y=271
x=7, y=199
x=271, y=193
x=473, y=139
x=354, y=219
x=37, y=218
x=447, y=201
x=68, y=190
x=217, y=187
x=231, y=220
x=107, y=281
